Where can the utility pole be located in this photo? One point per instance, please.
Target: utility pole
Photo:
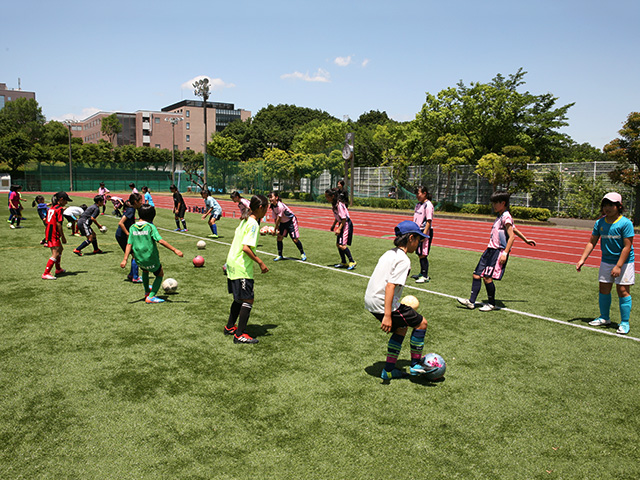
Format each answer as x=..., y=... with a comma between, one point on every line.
x=68, y=123
x=347, y=154
x=202, y=90
x=174, y=121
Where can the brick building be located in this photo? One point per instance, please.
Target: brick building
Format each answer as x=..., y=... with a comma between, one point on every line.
x=9, y=94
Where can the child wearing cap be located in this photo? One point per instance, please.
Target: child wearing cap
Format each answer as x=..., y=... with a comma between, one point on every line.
x=617, y=262
x=382, y=299
x=54, y=234
x=493, y=261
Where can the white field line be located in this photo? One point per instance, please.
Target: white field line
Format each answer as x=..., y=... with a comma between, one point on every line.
x=351, y=272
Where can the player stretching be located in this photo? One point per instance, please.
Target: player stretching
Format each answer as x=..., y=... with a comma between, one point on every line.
x=382, y=299
x=286, y=224
x=143, y=243
x=179, y=209
x=617, y=263
x=54, y=234
x=423, y=216
x=494, y=259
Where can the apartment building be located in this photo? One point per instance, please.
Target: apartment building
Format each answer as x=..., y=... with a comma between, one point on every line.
x=9, y=94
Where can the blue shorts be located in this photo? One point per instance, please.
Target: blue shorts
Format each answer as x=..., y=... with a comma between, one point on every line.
x=489, y=264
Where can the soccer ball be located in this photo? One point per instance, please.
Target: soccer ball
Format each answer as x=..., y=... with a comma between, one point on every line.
x=103, y=229
x=434, y=365
x=198, y=261
x=69, y=225
x=264, y=230
x=272, y=230
x=201, y=245
x=170, y=285
x=410, y=301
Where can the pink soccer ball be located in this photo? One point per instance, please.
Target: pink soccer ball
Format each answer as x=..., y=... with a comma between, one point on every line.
x=198, y=261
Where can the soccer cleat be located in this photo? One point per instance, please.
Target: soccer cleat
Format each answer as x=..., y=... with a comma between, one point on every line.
x=230, y=331
x=77, y=252
x=415, y=277
x=352, y=265
x=12, y=226
x=278, y=258
x=466, y=302
x=136, y=280
x=417, y=369
x=244, y=338
x=184, y=230
x=48, y=276
x=224, y=269
x=422, y=279
x=303, y=257
x=623, y=328
x=62, y=270
x=213, y=235
x=341, y=265
x=153, y=300
x=98, y=251
x=395, y=373
x=177, y=229
x=599, y=321
x=487, y=307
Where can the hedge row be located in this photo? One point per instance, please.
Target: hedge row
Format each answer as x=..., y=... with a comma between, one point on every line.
x=523, y=213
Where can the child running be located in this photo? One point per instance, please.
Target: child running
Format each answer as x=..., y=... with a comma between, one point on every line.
x=89, y=216
x=617, y=261
x=71, y=215
x=493, y=261
x=382, y=299
x=423, y=216
x=240, y=260
x=143, y=244
x=213, y=209
x=148, y=199
x=104, y=191
x=179, y=209
x=122, y=232
x=342, y=226
x=54, y=234
x=42, y=207
x=286, y=224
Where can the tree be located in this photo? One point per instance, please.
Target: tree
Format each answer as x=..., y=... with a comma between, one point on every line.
x=494, y=115
x=15, y=150
x=373, y=117
x=22, y=115
x=111, y=127
x=626, y=152
x=226, y=150
x=507, y=170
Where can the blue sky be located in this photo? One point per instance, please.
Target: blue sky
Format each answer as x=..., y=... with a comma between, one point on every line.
x=345, y=57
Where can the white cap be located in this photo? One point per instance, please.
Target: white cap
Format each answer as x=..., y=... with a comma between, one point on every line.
x=613, y=197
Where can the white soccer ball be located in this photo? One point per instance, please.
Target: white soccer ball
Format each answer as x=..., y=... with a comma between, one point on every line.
x=201, y=244
x=264, y=230
x=69, y=225
x=272, y=230
x=170, y=285
x=103, y=229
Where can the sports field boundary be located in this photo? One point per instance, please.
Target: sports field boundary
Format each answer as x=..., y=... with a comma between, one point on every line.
x=424, y=290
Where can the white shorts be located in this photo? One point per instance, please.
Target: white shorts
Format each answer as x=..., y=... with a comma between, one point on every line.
x=627, y=274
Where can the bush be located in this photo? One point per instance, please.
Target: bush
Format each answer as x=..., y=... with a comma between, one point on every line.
x=523, y=213
x=380, y=202
x=448, y=207
x=476, y=209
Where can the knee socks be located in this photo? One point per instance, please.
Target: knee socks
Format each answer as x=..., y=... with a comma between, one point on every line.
x=491, y=292
x=299, y=245
x=347, y=252
x=417, y=344
x=343, y=256
x=393, y=350
x=243, y=318
x=280, y=245
x=214, y=229
x=475, y=289
x=234, y=311
x=604, y=302
x=50, y=263
x=424, y=267
x=155, y=288
x=625, y=308
x=82, y=245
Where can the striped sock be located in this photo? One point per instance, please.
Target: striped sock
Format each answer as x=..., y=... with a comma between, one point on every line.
x=393, y=350
x=417, y=344
x=243, y=318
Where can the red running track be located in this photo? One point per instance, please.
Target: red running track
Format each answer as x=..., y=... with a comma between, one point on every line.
x=553, y=244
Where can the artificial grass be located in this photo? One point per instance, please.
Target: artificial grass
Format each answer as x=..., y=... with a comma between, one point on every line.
x=96, y=384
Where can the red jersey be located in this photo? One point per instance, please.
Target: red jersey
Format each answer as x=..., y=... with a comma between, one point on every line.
x=52, y=235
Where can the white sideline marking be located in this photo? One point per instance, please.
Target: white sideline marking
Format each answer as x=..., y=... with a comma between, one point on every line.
x=351, y=272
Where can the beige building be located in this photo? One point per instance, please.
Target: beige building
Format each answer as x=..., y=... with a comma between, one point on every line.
x=181, y=124
x=8, y=94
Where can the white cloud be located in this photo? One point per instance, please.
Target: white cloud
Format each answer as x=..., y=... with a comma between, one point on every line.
x=343, y=61
x=215, y=83
x=320, y=76
x=84, y=114
x=365, y=62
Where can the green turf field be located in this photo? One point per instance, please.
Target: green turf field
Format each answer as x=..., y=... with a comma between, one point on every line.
x=94, y=383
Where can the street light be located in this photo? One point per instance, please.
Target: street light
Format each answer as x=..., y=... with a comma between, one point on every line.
x=68, y=123
x=174, y=121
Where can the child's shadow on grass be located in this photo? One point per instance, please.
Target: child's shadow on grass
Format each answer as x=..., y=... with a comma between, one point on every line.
x=375, y=370
x=586, y=320
x=71, y=274
x=260, y=330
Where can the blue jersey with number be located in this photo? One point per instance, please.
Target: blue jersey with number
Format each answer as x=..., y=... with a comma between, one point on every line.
x=612, y=237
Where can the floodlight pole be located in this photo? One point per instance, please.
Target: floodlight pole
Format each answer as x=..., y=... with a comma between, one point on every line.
x=347, y=154
x=174, y=121
x=68, y=124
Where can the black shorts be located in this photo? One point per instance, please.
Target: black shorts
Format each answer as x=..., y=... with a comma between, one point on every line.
x=181, y=211
x=424, y=247
x=215, y=217
x=403, y=317
x=85, y=228
x=241, y=288
x=489, y=264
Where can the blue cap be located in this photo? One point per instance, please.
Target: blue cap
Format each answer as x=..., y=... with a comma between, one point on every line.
x=409, y=227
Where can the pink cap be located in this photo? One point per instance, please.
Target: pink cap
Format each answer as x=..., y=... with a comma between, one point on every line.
x=613, y=197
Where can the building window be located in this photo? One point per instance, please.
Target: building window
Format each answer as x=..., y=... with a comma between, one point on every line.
x=188, y=138
x=157, y=120
x=188, y=126
x=188, y=113
x=188, y=148
x=157, y=145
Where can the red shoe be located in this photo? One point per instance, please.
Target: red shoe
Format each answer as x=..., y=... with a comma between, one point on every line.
x=95, y=252
x=244, y=338
x=77, y=252
x=230, y=331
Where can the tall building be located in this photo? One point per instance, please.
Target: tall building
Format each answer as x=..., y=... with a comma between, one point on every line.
x=9, y=94
x=180, y=124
